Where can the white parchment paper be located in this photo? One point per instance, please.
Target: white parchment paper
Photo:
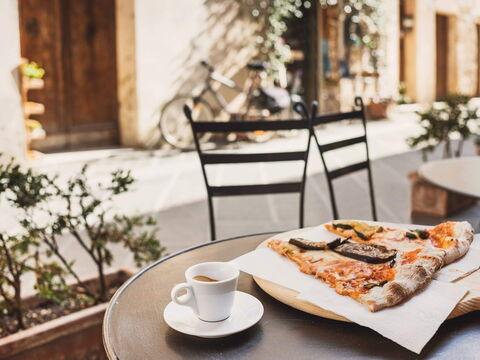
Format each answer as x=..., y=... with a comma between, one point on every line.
x=410, y=324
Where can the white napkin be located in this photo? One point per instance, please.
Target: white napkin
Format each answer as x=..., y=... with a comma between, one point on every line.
x=460, y=268
x=476, y=241
x=420, y=316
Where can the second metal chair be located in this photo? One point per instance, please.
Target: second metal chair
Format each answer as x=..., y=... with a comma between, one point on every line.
x=212, y=158
x=359, y=115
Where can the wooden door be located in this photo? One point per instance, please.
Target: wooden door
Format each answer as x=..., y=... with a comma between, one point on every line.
x=442, y=69
x=74, y=40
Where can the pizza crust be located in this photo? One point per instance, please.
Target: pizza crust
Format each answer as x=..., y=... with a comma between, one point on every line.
x=413, y=277
x=463, y=233
x=409, y=279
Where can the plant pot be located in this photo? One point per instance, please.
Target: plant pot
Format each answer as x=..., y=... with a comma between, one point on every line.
x=377, y=110
x=429, y=199
x=33, y=83
x=74, y=336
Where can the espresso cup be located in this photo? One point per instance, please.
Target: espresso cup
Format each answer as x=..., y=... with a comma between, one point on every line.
x=210, y=301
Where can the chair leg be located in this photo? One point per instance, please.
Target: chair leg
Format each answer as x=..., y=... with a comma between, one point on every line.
x=211, y=214
x=333, y=202
x=302, y=210
x=372, y=194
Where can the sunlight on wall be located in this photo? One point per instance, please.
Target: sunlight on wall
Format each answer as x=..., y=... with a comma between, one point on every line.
x=12, y=132
x=172, y=37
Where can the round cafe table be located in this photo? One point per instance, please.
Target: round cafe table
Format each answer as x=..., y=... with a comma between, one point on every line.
x=134, y=327
x=460, y=175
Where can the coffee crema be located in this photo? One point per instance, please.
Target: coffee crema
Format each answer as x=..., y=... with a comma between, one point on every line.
x=204, y=278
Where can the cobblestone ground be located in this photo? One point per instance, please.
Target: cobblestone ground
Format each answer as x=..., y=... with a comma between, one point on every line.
x=170, y=187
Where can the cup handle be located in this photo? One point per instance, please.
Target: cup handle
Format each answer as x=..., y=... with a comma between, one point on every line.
x=188, y=299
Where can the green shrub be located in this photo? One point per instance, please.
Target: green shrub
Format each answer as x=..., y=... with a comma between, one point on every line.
x=442, y=121
x=47, y=211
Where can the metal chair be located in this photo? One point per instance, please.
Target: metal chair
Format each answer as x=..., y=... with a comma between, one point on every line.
x=200, y=127
x=357, y=114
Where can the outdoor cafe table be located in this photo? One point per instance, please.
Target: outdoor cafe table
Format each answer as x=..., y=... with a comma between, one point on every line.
x=460, y=175
x=134, y=327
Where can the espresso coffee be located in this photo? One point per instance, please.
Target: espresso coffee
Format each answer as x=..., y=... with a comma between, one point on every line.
x=210, y=290
x=204, y=278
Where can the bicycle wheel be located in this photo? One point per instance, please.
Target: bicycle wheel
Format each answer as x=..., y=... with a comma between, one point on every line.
x=174, y=126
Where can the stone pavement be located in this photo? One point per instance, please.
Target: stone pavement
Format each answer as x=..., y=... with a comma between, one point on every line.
x=170, y=187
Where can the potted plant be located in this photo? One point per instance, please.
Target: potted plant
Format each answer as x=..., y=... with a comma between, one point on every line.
x=403, y=98
x=442, y=123
x=376, y=109
x=63, y=317
x=477, y=144
x=32, y=79
x=33, y=74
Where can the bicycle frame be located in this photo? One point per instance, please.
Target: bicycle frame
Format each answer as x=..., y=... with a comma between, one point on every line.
x=219, y=99
x=252, y=83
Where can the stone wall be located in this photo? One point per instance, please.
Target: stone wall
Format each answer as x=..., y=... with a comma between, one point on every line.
x=12, y=131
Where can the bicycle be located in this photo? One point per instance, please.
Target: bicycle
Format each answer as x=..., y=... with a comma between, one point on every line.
x=259, y=103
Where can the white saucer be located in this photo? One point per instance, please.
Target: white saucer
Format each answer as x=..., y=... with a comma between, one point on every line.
x=247, y=311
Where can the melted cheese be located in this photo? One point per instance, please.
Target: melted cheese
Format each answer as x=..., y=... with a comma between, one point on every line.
x=354, y=278
x=410, y=256
x=441, y=235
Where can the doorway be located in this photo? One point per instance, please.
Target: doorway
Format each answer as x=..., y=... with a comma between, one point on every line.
x=478, y=60
x=74, y=40
x=442, y=50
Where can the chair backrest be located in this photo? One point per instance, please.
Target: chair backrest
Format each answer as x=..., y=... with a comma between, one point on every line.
x=357, y=114
x=212, y=158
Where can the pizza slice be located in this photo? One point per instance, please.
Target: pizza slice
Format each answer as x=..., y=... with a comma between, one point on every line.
x=376, y=265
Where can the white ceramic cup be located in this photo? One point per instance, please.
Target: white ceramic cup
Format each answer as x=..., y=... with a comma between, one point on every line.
x=210, y=301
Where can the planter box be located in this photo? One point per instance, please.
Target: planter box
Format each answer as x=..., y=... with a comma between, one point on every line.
x=74, y=336
x=429, y=199
x=377, y=111
x=33, y=108
x=33, y=83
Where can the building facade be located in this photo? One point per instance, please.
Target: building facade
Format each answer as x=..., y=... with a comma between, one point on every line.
x=112, y=64
x=439, y=48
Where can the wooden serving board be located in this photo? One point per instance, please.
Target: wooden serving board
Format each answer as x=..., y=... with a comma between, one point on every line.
x=471, y=301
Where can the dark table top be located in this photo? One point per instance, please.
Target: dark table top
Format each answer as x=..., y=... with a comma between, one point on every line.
x=134, y=327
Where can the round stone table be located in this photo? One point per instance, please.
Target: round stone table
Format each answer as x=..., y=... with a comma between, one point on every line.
x=134, y=327
x=460, y=175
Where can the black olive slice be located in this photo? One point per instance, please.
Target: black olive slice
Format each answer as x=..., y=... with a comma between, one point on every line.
x=423, y=234
x=411, y=235
x=416, y=234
